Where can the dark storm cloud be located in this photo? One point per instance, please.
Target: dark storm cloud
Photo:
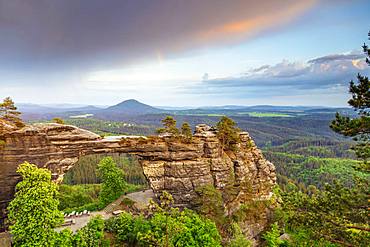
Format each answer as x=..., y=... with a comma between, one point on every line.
x=94, y=32
x=323, y=73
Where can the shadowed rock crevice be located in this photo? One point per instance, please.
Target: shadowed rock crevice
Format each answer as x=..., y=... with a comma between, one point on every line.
x=168, y=163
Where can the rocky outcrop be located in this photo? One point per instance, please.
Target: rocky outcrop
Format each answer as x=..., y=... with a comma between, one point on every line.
x=168, y=163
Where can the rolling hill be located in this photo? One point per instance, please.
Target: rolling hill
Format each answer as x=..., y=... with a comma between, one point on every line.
x=131, y=107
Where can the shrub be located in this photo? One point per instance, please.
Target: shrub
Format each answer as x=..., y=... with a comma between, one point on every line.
x=272, y=237
x=165, y=227
x=238, y=239
x=91, y=235
x=75, y=196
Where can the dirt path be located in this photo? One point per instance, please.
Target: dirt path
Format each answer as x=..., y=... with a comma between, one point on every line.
x=140, y=198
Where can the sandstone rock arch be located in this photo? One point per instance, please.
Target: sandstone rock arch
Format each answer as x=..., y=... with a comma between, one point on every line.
x=168, y=164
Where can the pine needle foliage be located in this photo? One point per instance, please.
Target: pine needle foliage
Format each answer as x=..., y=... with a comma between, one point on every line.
x=358, y=128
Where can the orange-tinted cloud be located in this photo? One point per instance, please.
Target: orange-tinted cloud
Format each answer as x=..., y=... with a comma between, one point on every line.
x=98, y=32
x=259, y=22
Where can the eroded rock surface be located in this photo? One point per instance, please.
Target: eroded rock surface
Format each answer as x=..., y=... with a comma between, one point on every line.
x=168, y=163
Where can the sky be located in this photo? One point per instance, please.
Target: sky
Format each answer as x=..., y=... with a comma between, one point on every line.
x=182, y=52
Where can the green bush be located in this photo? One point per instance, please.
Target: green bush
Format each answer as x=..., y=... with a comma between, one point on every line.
x=64, y=238
x=91, y=235
x=272, y=237
x=165, y=227
x=126, y=227
x=238, y=239
x=75, y=196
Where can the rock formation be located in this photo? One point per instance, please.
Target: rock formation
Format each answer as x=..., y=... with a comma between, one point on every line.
x=168, y=163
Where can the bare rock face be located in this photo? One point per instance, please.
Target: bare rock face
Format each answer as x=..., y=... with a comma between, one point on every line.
x=168, y=164
x=6, y=126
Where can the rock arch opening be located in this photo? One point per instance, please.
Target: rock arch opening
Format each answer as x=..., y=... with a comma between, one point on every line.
x=85, y=170
x=81, y=186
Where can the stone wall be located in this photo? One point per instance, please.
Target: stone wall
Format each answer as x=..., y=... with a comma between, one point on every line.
x=168, y=163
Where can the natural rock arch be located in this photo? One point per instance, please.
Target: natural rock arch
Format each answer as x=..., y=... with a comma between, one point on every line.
x=168, y=163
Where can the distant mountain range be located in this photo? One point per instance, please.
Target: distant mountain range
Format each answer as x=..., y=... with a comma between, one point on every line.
x=33, y=108
x=133, y=107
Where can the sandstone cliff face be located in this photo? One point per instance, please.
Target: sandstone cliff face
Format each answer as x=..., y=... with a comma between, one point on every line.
x=168, y=164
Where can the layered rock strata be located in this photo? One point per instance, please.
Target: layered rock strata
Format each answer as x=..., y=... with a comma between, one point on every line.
x=168, y=163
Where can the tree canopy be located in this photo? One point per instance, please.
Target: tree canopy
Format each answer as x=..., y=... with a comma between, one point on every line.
x=228, y=133
x=33, y=213
x=58, y=120
x=186, y=131
x=336, y=214
x=113, y=182
x=169, y=124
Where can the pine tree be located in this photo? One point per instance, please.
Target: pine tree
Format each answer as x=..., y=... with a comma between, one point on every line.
x=169, y=124
x=227, y=133
x=358, y=128
x=58, y=120
x=186, y=132
x=8, y=112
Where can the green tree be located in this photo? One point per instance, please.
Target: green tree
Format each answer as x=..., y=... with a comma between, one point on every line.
x=228, y=133
x=123, y=227
x=58, y=120
x=8, y=112
x=169, y=124
x=210, y=204
x=114, y=184
x=92, y=235
x=238, y=239
x=367, y=50
x=272, y=237
x=186, y=132
x=33, y=213
x=193, y=230
x=358, y=128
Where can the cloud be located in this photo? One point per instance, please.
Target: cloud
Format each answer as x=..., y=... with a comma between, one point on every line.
x=336, y=57
x=328, y=74
x=205, y=77
x=96, y=33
